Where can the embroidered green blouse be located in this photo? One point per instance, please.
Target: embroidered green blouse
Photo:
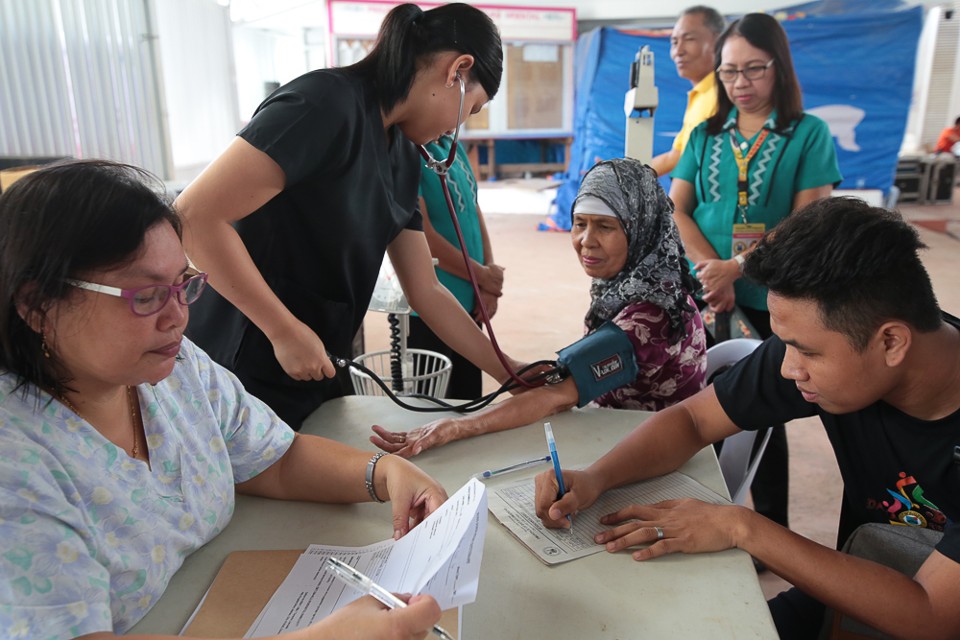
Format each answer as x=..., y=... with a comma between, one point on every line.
x=463, y=192
x=800, y=157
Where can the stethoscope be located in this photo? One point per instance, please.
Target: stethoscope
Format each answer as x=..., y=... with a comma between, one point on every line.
x=442, y=168
x=552, y=370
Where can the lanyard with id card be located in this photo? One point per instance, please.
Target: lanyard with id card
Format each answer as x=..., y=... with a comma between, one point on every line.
x=743, y=164
x=745, y=234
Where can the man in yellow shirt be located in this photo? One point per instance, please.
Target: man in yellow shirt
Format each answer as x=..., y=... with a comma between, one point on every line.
x=692, y=50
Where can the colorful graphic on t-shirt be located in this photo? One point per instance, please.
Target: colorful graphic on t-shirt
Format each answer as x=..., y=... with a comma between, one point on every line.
x=907, y=506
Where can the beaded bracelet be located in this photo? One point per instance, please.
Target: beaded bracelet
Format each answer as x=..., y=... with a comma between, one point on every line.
x=369, y=477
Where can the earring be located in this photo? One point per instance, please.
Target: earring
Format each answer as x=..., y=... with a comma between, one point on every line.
x=43, y=347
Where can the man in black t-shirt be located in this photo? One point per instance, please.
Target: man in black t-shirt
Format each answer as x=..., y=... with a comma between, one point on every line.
x=861, y=342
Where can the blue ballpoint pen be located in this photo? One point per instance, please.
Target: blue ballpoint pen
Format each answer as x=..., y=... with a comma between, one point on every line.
x=552, y=446
x=365, y=585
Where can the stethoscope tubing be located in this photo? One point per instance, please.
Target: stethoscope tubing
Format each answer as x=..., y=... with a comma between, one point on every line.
x=441, y=168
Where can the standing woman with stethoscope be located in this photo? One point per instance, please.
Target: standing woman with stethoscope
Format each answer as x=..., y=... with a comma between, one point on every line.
x=292, y=221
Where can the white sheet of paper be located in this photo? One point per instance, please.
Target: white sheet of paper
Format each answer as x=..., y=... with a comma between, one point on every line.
x=440, y=557
x=513, y=505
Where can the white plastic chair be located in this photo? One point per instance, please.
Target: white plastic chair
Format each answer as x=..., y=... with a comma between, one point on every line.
x=735, y=463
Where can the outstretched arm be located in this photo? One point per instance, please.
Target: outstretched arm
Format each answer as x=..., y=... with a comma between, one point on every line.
x=513, y=412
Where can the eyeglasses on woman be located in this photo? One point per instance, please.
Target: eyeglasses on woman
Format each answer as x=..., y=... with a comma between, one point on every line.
x=753, y=72
x=146, y=301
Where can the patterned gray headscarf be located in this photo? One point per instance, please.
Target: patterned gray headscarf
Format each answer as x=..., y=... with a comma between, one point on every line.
x=655, y=270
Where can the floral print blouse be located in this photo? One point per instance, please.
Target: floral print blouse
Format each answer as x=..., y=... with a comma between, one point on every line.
x=91, y=537
x=671, y=369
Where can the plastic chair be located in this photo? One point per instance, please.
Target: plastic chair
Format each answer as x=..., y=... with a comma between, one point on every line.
x=735, y=455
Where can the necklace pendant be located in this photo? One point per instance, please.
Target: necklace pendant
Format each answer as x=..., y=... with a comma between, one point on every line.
x=133, y=404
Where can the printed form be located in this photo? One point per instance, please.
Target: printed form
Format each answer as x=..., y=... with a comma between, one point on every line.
x=440, y=557
x=514, y=507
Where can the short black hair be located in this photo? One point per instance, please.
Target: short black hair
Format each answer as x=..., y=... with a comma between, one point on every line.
x=956, y=122
x=60, y=222
x=409, y=37
x=712, y=19
x=860, y=264
x=763, y=32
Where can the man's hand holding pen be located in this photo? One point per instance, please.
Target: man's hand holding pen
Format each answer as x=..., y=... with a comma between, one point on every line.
x=581, y=492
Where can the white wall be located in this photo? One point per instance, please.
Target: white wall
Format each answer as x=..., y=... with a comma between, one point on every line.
x=954, y=110
x=935, y=99
x=197, y=73
x=265, y=56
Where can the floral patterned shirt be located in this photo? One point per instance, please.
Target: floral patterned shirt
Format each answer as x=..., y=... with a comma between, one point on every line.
x=670, y=369
x=92, y=537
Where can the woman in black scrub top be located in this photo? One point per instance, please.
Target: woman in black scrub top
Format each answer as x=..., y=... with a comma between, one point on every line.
x=291, y=222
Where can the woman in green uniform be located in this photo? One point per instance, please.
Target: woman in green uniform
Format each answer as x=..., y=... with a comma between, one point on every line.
x=747, y=167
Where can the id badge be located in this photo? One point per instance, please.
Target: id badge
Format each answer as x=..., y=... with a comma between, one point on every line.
x=745, y=236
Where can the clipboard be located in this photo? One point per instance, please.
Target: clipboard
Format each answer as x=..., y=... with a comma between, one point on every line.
x=242, y=588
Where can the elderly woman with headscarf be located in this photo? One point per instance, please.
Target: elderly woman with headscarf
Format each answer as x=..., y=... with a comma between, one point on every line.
x=625, y=238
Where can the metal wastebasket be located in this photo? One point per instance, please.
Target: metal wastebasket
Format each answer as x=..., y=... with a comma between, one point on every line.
x=422, y=372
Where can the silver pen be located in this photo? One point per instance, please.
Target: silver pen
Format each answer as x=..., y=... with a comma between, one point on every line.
x=365, y=585
x=490, y=473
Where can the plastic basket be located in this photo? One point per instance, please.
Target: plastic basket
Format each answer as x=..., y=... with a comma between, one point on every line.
x=424, y=372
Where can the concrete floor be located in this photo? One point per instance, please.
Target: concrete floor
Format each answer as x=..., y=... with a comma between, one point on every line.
x=546, y=296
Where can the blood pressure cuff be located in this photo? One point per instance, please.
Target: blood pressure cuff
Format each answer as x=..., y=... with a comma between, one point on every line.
x=600, y=362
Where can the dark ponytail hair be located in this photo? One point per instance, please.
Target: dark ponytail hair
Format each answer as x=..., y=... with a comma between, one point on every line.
x=409, y=34
x=61, y=222
x=763, y=32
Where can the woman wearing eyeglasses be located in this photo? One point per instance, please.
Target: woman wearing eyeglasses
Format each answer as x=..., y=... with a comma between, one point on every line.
x=122, y=444
x=758, y=158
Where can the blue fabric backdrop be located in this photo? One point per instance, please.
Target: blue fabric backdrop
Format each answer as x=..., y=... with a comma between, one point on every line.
x=855, y=69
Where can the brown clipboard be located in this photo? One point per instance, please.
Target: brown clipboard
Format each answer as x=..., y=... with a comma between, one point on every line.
x=243, y=586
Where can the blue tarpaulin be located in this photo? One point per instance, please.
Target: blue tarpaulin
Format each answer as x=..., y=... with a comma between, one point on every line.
x=855, y=69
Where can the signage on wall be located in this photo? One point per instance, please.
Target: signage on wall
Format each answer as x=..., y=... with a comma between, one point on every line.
x=359, y=19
